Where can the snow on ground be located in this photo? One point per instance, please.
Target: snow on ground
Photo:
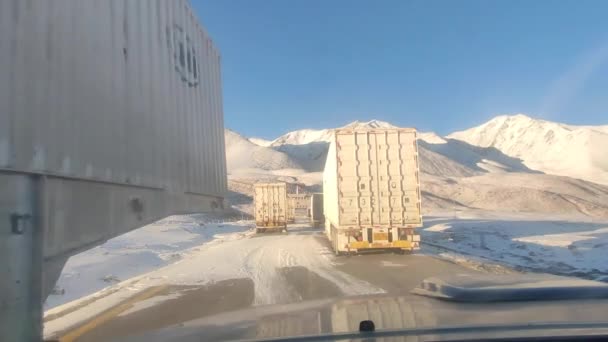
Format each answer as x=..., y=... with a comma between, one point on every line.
x=574, y=246
x=258, y=257
x=136, y=252
x=229, y=256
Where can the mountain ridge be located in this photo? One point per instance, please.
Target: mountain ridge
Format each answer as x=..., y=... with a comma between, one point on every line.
x=476, y=168
x=541, y=145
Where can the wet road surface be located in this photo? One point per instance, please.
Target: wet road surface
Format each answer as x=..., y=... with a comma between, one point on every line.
x=172, y=304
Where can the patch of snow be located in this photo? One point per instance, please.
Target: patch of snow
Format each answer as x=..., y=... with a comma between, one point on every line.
x=438, y=227
x=567, y=239
x=240, y=254
x=562, y=246
x=137, y=252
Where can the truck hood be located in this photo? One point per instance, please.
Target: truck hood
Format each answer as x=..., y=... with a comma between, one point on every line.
x=580, y=302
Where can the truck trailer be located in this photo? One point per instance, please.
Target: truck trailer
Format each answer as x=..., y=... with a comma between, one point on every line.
x=270, y=207
x=371, y=190
x=316, y=210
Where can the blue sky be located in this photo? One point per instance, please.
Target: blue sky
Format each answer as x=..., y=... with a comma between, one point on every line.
x=433, y=65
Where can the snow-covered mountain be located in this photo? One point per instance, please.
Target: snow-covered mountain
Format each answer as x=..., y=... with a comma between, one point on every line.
x=243, y=154
x=514, y=143
x=303, y=136
x=550, y=147
x=307, y=136
x=496, y=166
x=260, y=141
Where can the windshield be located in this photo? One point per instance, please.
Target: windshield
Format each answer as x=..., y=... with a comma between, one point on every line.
x=263, y=168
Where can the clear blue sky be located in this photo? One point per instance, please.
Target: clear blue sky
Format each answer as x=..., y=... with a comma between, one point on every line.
x=434, y=65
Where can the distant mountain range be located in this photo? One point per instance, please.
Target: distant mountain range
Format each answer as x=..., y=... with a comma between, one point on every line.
x=508, y=143
x=510, y=163
x=550, y=147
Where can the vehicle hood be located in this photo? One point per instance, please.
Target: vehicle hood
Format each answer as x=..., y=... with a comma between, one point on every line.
x=407, y=311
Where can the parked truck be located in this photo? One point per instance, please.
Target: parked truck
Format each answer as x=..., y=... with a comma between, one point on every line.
x=316, y=210
x=371, y=190
x=291, y=210
x=297, y=206
x=270, y=207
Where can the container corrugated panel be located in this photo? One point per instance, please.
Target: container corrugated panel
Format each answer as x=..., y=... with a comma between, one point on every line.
x=123, y=91
x=300, y=201
x=270, y=204
x=374, y=179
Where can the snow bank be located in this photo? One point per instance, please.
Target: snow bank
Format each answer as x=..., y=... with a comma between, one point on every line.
x=237, y=255
x=573, y=246
x=134, y=253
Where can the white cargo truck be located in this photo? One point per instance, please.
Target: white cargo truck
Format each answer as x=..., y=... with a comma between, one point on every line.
x=371, y=190
x=291, y=210
x=270, y=207
x=316, y=210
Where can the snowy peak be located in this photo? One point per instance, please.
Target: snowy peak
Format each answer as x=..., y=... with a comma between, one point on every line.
x=260, y=141
x=307, y=136
x=241, y=153
x=303, y=137
x=567, y=150
x=369, y=124
x=431, y=138
x=506, y=143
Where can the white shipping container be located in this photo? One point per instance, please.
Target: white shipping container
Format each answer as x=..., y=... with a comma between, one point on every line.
x=125, y=92
x=110, y=119
x=371, y=190
x=270, y=206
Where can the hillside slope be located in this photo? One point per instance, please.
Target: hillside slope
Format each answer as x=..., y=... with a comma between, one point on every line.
x=464, y=171
x=243, y=154
x=555, y=148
